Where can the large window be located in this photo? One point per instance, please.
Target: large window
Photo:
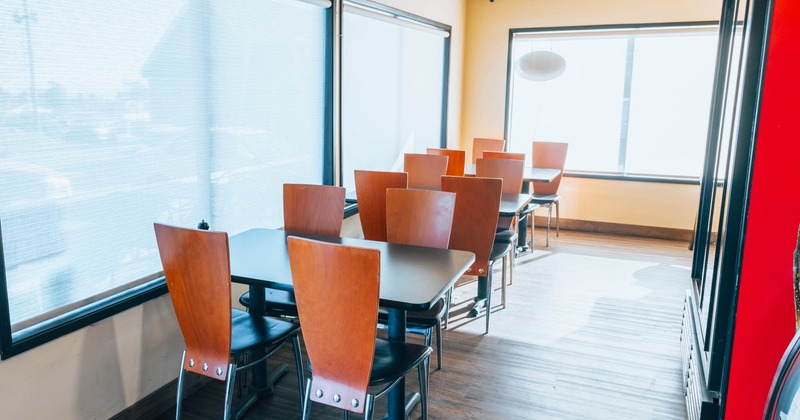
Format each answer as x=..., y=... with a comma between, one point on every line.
x=392, y=89
x=630, y=101
x=115, y=115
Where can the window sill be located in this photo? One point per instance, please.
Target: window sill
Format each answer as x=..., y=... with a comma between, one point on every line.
x=634, y=178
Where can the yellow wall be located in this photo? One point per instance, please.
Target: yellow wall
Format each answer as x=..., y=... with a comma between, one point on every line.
x=485, y=63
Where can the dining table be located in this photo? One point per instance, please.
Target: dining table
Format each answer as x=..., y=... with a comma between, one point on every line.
x=412, y=278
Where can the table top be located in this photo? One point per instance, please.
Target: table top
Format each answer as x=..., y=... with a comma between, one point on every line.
x=512, y=204
x=529, y=175
x=412, y=278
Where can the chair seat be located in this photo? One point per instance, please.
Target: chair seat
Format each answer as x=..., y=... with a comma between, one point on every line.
x=249, y=331
x=505, y=236
x=418, y=320
x=499, y=249
x=277, y=302
x=393, y=359
x=544, y=199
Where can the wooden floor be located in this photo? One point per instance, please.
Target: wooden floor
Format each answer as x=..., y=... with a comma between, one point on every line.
x=591, y=331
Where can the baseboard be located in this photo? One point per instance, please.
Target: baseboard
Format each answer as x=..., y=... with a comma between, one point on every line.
x=162, y=399
x=616, y=228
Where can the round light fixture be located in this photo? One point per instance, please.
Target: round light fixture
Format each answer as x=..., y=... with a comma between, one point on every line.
x=540, y=65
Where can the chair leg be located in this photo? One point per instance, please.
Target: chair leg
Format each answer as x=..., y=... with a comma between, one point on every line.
x=181, y=376
x=422, y=372
x=549, y=212
x=346, y=415
x=448, y=299
x=298, y=364
x=505, y=268
x=488, y=299
x=428, y=334
x=439, y=345
x=307, y=400
x=557, y=217
x=229, y=390
x=368, y=407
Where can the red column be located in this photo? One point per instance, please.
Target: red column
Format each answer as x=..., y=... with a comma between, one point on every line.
x=765, y=319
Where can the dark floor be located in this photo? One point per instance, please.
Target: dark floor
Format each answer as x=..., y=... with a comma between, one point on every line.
x=590, y=331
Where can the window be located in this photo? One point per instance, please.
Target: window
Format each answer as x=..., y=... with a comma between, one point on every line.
x=115, y=115
x=392, y=88
x=631, y=101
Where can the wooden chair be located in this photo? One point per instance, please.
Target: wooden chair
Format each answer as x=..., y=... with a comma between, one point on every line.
x=422, y=218
x=425, y=171
x=479, y=145
x=371, y=193
x=511, y=172
x=339, y=317
x=474, y=223
x=455, y=160
x=503, y=155
x=549, y=155
x=310, y=209
x=197, y=270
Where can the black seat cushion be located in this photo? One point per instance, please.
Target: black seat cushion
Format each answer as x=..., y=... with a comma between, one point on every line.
x=505, y=236
x=544, y=198
x=278, y=302
x=249, y=331
x=499, y=249
x=418, y=320
x=392, y=360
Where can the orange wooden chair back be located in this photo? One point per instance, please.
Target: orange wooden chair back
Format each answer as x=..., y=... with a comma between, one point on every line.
x=503, y=155
x=475, y=217
x=371, y=194
x=509, y=170
x=339, y=316
x=549, y=155
x=425, y=171
x=313, y=209
x=455, y=159
x=479, y=145
x=197, y=269
x=419, y=217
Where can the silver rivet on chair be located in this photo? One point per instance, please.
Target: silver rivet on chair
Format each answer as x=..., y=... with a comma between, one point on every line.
x=480, y=270
x=319, y=393
x=219, y=371
x=205, y=367
x=337, y=397
x=354, y=403
x=191, y=362
x=469, y=270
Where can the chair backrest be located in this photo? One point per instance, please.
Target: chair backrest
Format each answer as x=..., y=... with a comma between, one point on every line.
x=197, y=269
x=455, y=159
x=509, y=170
x=549, y=155
x=503, y=155
x=479, y=145
x=338, y=315
x=425, y=171
x=371, y=195
x=419, y=217
x=475, y=217
x=313, y=209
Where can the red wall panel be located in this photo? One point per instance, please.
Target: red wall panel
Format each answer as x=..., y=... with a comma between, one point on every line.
x=764, y=323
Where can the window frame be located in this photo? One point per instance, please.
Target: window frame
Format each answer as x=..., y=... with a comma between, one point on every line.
x=15, y=343
x=615, y=176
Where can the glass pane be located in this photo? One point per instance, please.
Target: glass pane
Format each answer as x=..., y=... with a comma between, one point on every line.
x=670, y=102
x=391, y=94
x=582, y=106
x=117, y=115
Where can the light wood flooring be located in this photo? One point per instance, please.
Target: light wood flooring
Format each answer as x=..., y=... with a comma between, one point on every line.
x=590, y=331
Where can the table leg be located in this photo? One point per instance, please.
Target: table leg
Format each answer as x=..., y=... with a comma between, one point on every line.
x=522, y=226
x=480, y=300
x=397, y=396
